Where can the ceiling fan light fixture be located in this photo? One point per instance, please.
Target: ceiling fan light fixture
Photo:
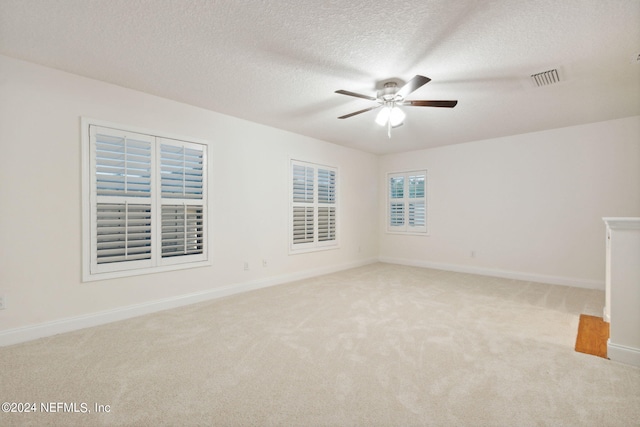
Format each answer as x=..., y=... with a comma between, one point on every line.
x=390, y=114
x=383, y=116
x=396, y=117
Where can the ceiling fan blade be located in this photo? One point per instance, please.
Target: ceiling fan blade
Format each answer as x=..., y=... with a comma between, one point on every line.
x=357, y=95
x=445, y=104
x=346, y=116
x=415, y=83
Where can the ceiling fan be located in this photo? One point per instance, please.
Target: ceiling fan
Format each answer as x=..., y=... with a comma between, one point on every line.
x=391, y=98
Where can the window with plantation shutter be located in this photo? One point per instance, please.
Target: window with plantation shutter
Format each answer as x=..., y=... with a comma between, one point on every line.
x=313, y=223
x=407, y=202
x=144, y=208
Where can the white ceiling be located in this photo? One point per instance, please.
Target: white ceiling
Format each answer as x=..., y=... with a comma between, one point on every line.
x=279, y=62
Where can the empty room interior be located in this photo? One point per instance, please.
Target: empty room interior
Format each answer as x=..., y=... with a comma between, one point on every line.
x=313, y=213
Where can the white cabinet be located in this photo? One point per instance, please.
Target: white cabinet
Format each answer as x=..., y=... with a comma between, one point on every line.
x=622, y=307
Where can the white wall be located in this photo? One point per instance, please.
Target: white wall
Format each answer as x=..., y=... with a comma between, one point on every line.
x=40, y=200
x=530, y=206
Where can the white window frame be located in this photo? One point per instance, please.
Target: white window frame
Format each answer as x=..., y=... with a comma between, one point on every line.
x=196, y=204
x=404, y=203
x=314, y=205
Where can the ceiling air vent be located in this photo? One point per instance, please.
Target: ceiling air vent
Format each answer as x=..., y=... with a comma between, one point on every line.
x=546, y=78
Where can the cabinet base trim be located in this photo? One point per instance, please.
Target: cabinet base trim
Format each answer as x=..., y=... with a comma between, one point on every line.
x=623, y=354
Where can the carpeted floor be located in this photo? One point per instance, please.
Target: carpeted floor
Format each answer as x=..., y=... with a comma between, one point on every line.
x=381, y=345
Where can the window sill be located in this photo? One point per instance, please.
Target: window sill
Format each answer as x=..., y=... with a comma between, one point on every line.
x=315, y=249
x=88, y=277
x=408, y=233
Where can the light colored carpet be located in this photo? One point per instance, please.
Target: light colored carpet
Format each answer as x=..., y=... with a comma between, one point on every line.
x=381, y=345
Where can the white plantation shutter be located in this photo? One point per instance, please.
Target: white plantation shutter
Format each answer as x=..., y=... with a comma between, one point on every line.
x=326, y=186
x=417, y=214
x=303, y=178
x=123, y=164
x=147, y=198
x=396, y=214
x=123, y=232
x=396, y=205
x=326, y=205
x=396, y=187
x=181, y=171
x=303, y=220
x=182, y=168
x=182, y=230
x=407, y=202
x=313, y=206
x=416, y=186
x=122, y=226
x=326, y=224
x=417, y=218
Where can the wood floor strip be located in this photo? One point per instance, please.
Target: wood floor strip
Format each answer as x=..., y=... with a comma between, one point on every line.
x=593, y=333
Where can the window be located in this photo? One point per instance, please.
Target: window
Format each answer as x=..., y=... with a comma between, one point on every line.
x=407, y=202
x=144, y=202
x=313, y=222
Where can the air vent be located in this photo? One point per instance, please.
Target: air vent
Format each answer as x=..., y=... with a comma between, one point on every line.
x=546, y=78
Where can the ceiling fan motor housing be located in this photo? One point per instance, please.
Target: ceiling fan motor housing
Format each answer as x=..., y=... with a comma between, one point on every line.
x=389, y=92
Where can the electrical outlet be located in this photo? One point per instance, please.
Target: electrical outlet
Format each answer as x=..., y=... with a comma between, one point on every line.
x=3, y=302
x=246, y=266
x=265, y=263
x=473, y=254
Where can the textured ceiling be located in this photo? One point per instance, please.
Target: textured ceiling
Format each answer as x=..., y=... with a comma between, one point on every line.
x=279, y=62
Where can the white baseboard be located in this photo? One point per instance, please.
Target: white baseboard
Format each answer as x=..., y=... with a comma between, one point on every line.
x=623, y=354
x=517, y=275
x=46, y=329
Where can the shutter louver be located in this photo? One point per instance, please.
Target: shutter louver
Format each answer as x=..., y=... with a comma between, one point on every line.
x=396, y=187
x=123, y=232
x=326, y=186
x=302, y=224
x=417, y=214
x=326, y=224
x=181, y=171
x=416, y=187
x=182, y=230
x=123, y=166
x=303, y=184
x=417, y=209
x=396, y=215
